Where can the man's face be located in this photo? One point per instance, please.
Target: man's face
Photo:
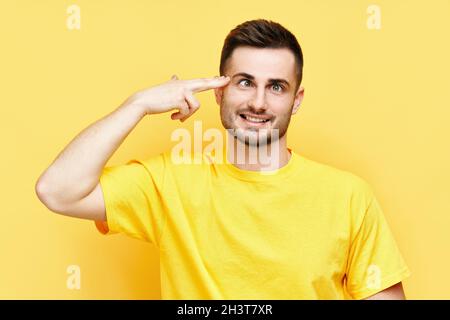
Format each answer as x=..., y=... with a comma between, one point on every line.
x=260, y=96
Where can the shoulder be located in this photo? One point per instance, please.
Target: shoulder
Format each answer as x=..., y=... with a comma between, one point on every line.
x=347, y=188
x=330, y=175
x=182, y=167
x=354, y=194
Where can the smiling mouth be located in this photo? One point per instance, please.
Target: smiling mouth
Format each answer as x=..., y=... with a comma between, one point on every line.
x=253, y=119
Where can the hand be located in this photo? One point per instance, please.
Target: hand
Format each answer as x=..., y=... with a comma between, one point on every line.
x=176, y=94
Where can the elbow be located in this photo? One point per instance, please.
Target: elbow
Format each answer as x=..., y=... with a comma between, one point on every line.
x=40, y=190
x=44, y=195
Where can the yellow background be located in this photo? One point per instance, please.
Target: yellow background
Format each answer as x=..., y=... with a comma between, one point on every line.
x=377, y=103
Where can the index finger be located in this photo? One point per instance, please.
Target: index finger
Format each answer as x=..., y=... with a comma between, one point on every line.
x=197, y=85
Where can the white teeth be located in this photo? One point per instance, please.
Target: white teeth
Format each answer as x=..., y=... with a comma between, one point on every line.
x=254, y=119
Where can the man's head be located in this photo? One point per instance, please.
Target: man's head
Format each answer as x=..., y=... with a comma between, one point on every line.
x=264, y=61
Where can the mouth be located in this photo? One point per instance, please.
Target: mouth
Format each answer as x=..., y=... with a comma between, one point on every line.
x=254, y=120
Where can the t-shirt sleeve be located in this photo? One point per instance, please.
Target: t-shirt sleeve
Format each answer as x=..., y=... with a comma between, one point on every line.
x=133, y=199
x=375, y=262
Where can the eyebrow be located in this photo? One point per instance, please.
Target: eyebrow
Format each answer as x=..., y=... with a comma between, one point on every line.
x=249, y=76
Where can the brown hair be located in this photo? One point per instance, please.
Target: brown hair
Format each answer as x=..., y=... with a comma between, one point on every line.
x=262, y=33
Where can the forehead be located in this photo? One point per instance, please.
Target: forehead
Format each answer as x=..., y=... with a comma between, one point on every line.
x=262, y=62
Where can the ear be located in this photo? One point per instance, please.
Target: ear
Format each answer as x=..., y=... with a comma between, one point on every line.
x=298, y=99
x=218, y=93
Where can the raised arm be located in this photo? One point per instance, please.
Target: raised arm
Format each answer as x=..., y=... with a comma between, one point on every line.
x=70, y=185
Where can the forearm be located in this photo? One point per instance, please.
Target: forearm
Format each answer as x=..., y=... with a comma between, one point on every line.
x=77, y=169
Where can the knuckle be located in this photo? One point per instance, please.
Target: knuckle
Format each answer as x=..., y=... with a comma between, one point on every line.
x=182, y=91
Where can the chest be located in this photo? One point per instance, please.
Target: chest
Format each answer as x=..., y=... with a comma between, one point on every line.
x=298, y=233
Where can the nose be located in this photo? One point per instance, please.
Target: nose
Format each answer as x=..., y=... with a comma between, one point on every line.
x=258, y=100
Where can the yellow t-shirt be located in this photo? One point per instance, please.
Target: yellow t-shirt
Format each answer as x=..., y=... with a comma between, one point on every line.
x=306, y=231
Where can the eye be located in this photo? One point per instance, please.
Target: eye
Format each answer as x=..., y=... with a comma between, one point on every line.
x=281, y=88
x=244, y=80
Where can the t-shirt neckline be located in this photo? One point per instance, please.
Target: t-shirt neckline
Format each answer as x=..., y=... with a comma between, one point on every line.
x=284, y=172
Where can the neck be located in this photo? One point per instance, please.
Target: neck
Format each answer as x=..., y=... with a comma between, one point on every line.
x=257, y=158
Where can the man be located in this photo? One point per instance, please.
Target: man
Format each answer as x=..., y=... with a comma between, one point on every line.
x=290, y=228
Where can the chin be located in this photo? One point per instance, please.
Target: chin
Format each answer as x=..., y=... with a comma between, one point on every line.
x=254, y=138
